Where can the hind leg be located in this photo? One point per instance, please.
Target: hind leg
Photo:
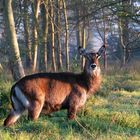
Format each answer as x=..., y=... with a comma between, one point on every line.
x=35, y=110
x=15, y=113
x=12, y=117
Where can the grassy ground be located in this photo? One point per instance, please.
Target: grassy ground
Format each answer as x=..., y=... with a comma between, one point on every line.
x=113, y=114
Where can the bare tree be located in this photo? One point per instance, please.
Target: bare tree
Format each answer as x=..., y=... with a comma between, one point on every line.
x=52, y=34
x=104, y=38
x=83, y=43
x=58, y=22
x=14, y=56
x=43, y=49
x=78, y=10
x=35, y=10
x=124, y=34
x=27, y=35
x=66, y=35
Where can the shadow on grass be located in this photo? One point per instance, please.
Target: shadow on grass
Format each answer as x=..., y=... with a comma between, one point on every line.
x=58, y=125
x=3, y=113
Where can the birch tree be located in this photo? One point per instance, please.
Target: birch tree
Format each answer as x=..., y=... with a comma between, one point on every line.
x=66, y=36
x=58, y=22
x=14, y=53
x=52, y=34
x=35, y=10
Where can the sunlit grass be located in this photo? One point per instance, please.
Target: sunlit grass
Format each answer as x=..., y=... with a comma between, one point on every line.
x=112, y=114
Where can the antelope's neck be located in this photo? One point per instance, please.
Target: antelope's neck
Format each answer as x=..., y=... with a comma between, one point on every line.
x=94, y=82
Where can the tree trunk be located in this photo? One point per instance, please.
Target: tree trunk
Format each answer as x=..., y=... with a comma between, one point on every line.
x=14, y=55
x=78, y=31
x=27, y=36
x=83, y=34
x=58, y=36
x=123, y=39
x=104, y=39
x=43, y=49
x=52, y=35
x=1, y=68
x=66, y=36
x=35, y=9
x=83, y=43
x=124, y=34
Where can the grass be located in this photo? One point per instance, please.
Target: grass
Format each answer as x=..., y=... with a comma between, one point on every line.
x=112, y=114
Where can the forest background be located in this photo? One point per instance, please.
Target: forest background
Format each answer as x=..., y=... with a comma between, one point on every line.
x=44, y=35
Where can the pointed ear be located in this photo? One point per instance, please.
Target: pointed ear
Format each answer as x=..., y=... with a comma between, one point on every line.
x=82, y=51
x=101, y=51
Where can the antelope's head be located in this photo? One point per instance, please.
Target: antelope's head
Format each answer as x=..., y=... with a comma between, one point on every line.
x=92, y=66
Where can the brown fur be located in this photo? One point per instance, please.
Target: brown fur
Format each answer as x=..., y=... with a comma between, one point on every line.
x=49, y=92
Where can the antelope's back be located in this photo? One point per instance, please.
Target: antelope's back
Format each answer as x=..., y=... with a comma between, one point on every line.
x=53, y=87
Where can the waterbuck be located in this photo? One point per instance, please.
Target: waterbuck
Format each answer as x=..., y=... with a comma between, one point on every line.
x=50, y=92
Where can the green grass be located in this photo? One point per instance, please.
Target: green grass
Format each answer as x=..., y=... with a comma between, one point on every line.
x=112, y=114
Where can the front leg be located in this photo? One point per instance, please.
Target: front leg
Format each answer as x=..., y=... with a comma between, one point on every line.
x=76, y=101
x=72, y=112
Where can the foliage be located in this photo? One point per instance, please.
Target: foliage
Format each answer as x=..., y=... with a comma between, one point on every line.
x=113, y=22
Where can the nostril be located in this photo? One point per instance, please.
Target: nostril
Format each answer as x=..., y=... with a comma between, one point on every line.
x=93, y=66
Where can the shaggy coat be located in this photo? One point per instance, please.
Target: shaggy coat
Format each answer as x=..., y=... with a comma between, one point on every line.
x=50, y=92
